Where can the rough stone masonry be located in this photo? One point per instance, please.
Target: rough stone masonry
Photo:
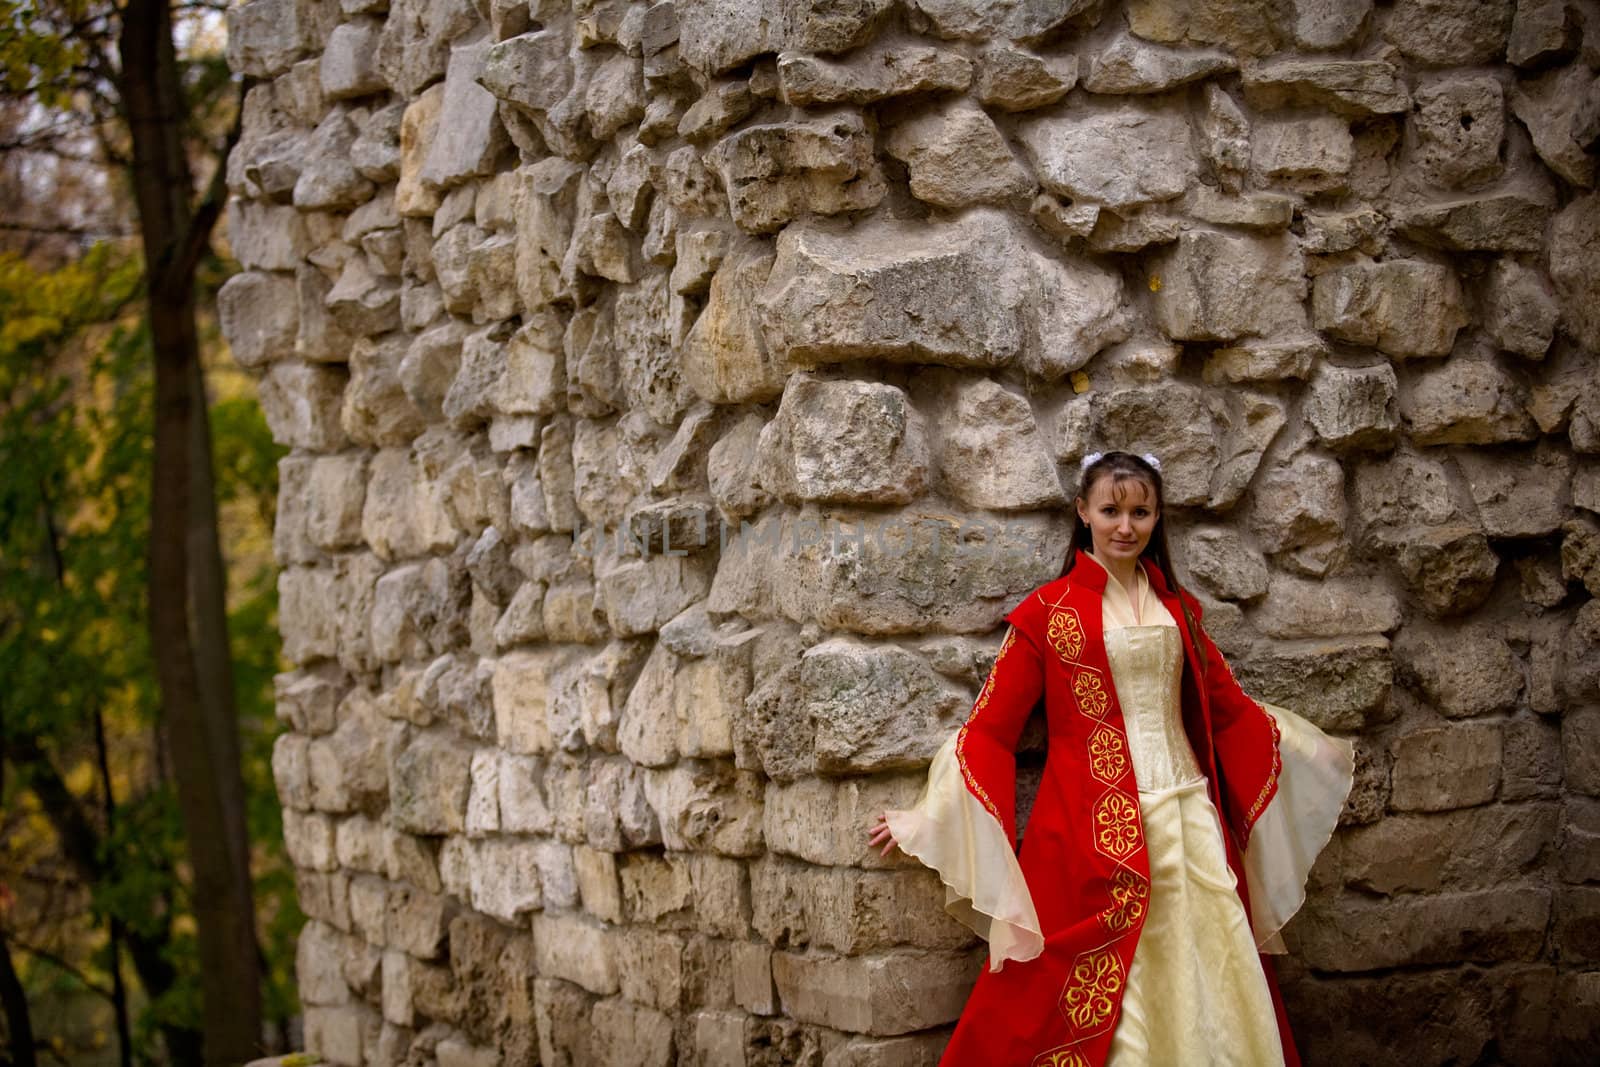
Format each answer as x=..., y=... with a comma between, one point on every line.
x=680, y=392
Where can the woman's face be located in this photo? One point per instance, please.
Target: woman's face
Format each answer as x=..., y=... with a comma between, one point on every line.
x=1121, y=516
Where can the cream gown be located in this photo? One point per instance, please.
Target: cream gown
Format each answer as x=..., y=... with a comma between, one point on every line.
x=1196, y=993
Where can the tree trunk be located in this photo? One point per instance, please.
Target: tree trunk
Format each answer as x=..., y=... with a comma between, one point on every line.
x=14, y=1002
x=198, y=716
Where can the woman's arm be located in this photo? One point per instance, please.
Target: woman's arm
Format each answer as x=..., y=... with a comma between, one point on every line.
x=964, y=823
x=985, y=746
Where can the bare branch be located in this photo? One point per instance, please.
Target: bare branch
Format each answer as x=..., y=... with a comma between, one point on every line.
x=51, y=957
x=63, y=230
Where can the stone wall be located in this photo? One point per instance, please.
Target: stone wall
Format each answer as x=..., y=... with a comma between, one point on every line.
x=823, y=300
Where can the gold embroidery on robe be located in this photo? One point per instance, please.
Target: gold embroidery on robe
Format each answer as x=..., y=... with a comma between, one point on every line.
x=1089, y=689
x=1129, y=897
x=1108, y=754
x=1065, y=633
x=1089, y=998
x=1116, y=825
x=1060, y=1056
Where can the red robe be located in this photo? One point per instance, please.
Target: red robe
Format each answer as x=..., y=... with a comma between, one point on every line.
x=1084, y=856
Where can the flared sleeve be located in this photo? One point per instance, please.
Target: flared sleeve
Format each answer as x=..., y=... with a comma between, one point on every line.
x=963, y=824
x=1285, y=783
x=1314, y=779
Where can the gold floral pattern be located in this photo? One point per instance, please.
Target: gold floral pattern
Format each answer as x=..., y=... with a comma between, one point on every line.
x=1108, y=754
x=1060, y=1056
x=1116, y=825
x=1130, y=894
x=1089, y=999
x=1065, y=633
x=1090, y=691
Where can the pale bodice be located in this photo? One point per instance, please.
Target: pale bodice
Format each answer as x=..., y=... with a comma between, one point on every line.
x=1146, y=654
x=1147, y=670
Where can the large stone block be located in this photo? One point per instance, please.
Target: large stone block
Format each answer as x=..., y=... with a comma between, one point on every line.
x=577, y=950
x=265, y=37
x=1443, y=767
x=505, y=878
x=347, y=768
x=1464, y=671
x=1119, y=155
x=851, y=911
x=429, y=781
x=1251, y=26
x=1550, y=107
x=1216, y=287
x=403, y=515
x=1502, y=923
x=1356, y=88
x=1338, y=683
x=1511, y=218
x=776, y=172
x=522, y=683
x=1450, y=33
x=1309, y=155
x=707, y=805
x=842, y=441
x=1573, y=236
x=1459, y=125
x=1128, y=65
x=259, y=315
x=1402, y=307
x=874, y=707
x=1520, y=495
x=627, y=1034
x=901, y=291
x=1299, y=607
x=889, y=993
x=1014, y=79
x=1353, y=407
x=903, y=571
x=990, y=451
x=349, y=63
x=1475, y=848
x=1298, y=503
x=1520, y=309
x=873, y=73
x=1468, y=400
x=301, y=403
x=957, y=156
x=1210, y=447
x=1580, y=750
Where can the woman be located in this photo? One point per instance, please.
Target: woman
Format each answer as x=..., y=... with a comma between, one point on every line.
x=1173, y=830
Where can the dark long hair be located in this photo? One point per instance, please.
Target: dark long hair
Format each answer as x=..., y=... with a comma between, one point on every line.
x=1123, y=467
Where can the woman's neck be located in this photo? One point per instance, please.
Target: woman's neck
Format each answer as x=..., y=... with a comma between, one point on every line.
x=1123, y=571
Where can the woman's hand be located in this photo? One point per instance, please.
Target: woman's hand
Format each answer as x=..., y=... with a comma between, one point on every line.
x=882, y=835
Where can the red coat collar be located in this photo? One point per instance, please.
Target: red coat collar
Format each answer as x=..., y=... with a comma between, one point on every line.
x=1092, y=574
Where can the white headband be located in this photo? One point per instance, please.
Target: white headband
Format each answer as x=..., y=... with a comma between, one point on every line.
x=1094, y=457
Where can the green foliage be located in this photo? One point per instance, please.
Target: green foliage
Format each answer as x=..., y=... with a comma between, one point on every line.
x=36, y=57
x=75, y=454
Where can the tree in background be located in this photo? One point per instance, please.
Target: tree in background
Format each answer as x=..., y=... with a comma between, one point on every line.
x=121, y=692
